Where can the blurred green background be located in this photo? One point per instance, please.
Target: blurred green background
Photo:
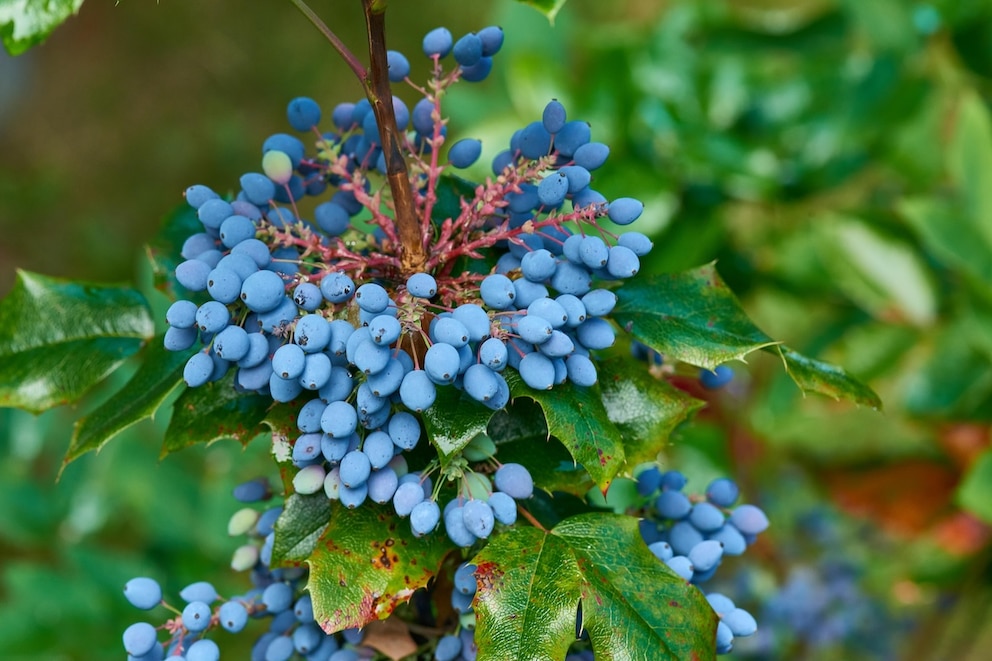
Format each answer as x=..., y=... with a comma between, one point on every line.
x=834, y=156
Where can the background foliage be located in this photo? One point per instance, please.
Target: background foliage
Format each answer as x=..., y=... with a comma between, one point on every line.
x=835, y=158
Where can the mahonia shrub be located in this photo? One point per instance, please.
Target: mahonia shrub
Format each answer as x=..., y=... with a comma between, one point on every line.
x=448, y=362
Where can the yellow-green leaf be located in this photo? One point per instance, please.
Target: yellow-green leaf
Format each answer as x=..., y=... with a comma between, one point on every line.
x=367, y=563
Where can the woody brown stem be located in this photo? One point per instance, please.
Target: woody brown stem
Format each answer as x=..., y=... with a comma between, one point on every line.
x=413, y=255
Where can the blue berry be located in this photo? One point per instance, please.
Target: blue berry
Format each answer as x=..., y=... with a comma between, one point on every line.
x=465, y=152
x=478, y=518
x=399, y=66
x=263, y=291
x=623, y=263
x=233, y=616
x=139, y=638
x=372, y=297
x=337, y=287
x=424, y=517
x=492, y=40
x=625, y=210
x=514, y=480
x=554, y=116
x=749, y=519
x=717, y=378
x=467, y=51
x=504, y=508
x=196, y=616
x=332, y=218
x=722, y=492
x=438, y=42
x=591, y=155
x=142, y=592
x=417, y=391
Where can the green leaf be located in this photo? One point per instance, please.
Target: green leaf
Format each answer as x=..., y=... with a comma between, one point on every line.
x=26, y=23
x=367, y=563
x=212, y=412
x=521, y=434
x=958, y=244
x=60, y=338
x=826, y=379
x=157, y=377
x=969, y=157
x=881, y=274
x=644, y=408
x=694, y=318
x=521, y=421
x=453, y=421
x=164, y=250
x=576, y=417
x=300, y=526
x=955, y=382
x=690, y=316
x=975, y=492
x=532, y=582
x=549, y=8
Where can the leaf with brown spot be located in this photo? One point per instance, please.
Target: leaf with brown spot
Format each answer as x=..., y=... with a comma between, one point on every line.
x=367, y=563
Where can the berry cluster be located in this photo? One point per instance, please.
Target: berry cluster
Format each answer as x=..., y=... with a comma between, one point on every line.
x=277, y=594
x=292, y=629
x=692, y=536
x=317, y=302
x=319, y=311
x=461, y=645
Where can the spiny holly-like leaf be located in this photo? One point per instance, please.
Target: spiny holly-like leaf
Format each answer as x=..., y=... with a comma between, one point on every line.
x=521, y=434
x=690, y=316
x=820, y=377
x=549, y=8
x=645, y=409
x=60, y=338
x=694, y=318
x=453, y=421
x=576, y=417
x=159, y=374
x=26, y=23
x=164, y=249
x=367, y=563
x=212, y=412
x=531, y=584
x=298, y=529
x=548, y=459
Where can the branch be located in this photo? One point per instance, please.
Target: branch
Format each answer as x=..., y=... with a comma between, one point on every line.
x=339, y=46
x=376, y=81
